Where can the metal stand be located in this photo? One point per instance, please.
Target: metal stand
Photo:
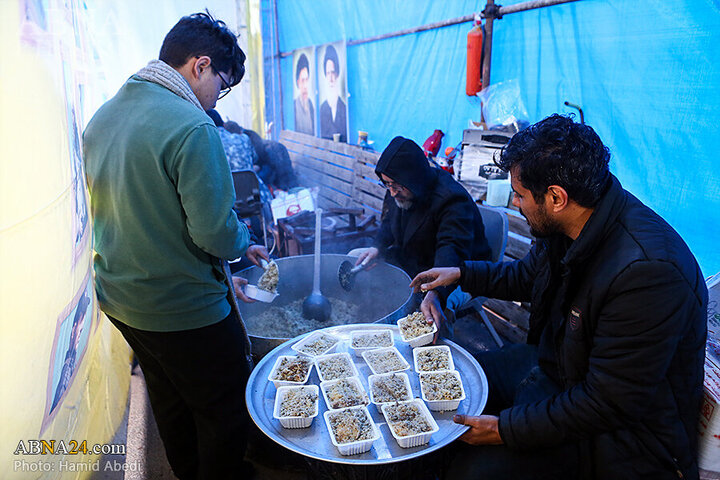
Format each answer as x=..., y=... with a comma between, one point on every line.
x=476, y=304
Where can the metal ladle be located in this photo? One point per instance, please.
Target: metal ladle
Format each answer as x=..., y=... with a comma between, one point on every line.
x=316, y=305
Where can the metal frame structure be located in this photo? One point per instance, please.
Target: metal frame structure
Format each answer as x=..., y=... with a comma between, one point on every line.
x=490, y=13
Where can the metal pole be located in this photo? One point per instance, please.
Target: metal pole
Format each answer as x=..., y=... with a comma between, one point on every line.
x=281, y=124
x=497, y=12
x=422, y=28
x=521, y=7
x=407, y=31
x=493, y=12
x=487, y=53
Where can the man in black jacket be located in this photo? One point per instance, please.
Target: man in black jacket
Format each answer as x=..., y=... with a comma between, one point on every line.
x=610, y=383
x=429, y=220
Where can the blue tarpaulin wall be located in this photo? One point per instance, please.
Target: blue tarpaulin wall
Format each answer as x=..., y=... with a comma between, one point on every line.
x=647, y=75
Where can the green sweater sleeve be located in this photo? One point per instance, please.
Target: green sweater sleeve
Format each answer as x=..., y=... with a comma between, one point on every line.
x=204, y=184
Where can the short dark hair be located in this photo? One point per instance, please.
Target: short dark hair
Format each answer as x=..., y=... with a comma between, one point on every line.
x=331, y=54
x=200, y=34
x=302, y=63
x=559, y=151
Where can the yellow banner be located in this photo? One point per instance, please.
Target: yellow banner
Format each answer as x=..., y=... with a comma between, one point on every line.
x=64, y=369
x=255, y=65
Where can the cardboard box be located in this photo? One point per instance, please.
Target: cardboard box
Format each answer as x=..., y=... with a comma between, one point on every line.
x=709, y=425
x=713, y=318
x=291, y=204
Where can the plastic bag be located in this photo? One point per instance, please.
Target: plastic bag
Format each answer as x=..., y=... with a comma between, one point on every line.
x=503, y=106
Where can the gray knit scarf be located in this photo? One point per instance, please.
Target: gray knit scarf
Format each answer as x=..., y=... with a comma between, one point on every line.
x=163, y=74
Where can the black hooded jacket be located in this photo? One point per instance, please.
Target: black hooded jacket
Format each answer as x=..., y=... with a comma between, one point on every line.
x=619, y=316
x=442, y=228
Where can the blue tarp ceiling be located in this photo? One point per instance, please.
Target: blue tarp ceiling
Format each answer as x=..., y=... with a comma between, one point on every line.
x=646, y=74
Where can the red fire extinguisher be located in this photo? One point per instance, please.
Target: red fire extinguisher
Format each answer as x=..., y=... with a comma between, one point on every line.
x=431, y=147
x=473, y=81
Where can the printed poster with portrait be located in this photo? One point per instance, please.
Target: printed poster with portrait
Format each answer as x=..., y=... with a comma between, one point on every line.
x=304, y=95
x=333, y=92
x=34, y=31
x=73, y=105
x=71, y=339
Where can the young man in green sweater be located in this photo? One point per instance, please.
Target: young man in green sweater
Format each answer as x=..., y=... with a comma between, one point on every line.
x=161, y=199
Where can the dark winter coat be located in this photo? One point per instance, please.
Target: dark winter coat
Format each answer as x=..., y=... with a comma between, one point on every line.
x=619, y=318
x=443, y=227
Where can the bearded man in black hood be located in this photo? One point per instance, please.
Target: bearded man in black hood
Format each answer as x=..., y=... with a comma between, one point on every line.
x=428, y=220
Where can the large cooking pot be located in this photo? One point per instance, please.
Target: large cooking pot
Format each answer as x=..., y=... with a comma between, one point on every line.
x=382, y=294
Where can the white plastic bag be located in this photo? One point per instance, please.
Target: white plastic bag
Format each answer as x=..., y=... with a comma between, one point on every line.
x=503, y=106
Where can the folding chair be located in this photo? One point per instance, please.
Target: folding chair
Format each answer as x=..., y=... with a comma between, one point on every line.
x=496, y=231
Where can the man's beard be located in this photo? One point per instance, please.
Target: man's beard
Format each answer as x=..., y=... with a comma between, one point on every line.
x=403, y=204
x=542, y=225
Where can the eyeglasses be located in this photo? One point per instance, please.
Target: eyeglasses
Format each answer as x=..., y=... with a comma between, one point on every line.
x=392, y=185
x=225, y=87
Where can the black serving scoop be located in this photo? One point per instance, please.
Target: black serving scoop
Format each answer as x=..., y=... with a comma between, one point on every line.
x=347, y=272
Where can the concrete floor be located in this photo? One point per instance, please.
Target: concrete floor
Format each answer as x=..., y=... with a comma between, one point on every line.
x=119, y=438
x=146, y=455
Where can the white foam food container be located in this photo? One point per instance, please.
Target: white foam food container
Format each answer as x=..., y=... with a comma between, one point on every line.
x=374, y=378
x=355, y=381
x=385, y=332
x=259, y=294
x=442, y=405
x=282, y=383
x=419, y=341
x=342, y=356
x=295, y=422
x=352, y=448
x=439, y=348
x=418, y=439
x=375, y=368
x=301, y=346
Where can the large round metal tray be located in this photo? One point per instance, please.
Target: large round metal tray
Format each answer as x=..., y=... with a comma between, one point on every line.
x=314, y=441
